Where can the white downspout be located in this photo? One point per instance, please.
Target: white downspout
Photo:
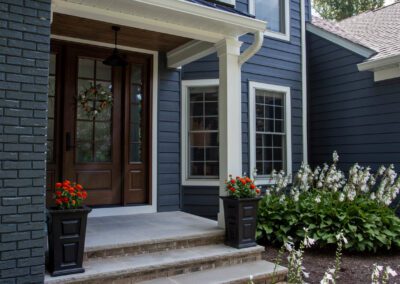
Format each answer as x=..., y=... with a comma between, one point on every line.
x=304, y=82
x=252, y=49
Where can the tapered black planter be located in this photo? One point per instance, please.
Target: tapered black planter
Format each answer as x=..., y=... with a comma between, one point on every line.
x=66, y=234
x=240, y=221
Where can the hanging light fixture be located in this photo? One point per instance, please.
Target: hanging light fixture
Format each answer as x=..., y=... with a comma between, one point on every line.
x=115, y=59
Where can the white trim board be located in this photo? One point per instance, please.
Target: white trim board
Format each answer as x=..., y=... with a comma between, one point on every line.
x=175, y=17
x=268, y=33
x=304, y=81
x=345, y=43
x=129, y=210
x=384, y=69
x=253, y=86
x=185, y=180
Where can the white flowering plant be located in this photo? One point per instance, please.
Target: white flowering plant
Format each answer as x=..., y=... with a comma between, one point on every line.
x=328, y=202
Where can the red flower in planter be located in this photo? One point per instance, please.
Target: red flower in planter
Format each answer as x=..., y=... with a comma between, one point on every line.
x=241, y=187
x=69, y=195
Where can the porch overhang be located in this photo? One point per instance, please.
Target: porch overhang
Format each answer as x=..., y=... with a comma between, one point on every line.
x=174, y=17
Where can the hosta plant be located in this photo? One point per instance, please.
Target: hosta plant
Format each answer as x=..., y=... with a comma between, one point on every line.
x=327, y=203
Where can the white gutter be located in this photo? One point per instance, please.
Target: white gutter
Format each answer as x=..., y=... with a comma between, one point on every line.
x=372, y=65
x=304, y=82
x=252, y=49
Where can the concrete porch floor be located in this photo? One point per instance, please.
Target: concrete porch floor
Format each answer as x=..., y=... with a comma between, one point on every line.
x=120, y=231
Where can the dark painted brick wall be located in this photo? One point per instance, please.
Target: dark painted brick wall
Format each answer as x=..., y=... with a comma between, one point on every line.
x=278, y=62
x=24, y=51
x=349, y=112
x=169, y=127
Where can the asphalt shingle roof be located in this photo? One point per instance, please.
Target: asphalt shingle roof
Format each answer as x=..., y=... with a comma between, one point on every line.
x=378, y=30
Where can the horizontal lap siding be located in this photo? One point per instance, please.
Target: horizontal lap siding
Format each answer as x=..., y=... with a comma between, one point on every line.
x=168, y=166
x=349, y=112
x=278, y=62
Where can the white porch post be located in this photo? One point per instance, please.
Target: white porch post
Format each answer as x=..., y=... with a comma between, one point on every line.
x=230, y=114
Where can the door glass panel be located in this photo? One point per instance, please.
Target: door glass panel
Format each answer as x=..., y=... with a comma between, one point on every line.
x=51, y=108
x=136, y=115
x=93, y=134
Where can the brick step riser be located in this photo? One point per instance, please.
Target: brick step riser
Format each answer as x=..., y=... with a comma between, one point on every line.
x=166, y=271
x=154, y=247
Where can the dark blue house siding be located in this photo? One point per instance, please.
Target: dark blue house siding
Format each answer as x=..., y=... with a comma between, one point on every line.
x=24, y=55
x=278, y=62
x=169, y=127
x=349, y=112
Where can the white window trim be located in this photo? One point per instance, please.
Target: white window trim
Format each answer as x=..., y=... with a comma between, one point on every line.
x=186, y=181
x=253, y=86
x=268, y=33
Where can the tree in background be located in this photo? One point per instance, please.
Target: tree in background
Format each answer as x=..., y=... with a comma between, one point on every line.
x=342, y=9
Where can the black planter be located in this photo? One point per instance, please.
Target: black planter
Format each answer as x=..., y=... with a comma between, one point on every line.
x=66, y=234
x=240, y=221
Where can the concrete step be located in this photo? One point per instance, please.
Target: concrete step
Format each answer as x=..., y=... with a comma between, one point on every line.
x=148, y=233
x=136, y=268
x=152, y=245
x=262, y=271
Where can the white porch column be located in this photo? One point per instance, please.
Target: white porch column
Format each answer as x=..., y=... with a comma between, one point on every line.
x=230, y=114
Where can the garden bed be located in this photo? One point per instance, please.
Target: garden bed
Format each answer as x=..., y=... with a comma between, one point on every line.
x=355, y=269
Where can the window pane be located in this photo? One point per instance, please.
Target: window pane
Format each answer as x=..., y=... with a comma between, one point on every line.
x=86, y=68
x=136, y=115
x=203, y=132
x=103, y=151
x=270, y=131
x=272, y=11
x=84, y=152
x=103, y=72
x=93, y=134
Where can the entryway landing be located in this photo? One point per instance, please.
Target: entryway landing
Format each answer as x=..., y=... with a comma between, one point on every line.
x=106, y=233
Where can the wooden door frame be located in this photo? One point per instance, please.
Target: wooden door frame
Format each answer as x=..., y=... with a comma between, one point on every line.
x=59, y=45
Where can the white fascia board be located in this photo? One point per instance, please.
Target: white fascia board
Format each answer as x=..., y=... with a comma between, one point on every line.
x=189, y=52
x=159, y=17
x=372, y=65
x=384, y=69
x=386, y=74
x=209, y=13
x=354, y=47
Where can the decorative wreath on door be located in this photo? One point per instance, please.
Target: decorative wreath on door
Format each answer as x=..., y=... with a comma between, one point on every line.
x=98, y=94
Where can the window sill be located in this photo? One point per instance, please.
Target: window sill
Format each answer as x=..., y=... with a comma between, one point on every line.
x=200, y=182
x=276, y=35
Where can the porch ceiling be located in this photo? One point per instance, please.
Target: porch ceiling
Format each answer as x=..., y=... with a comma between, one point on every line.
x=87, y=29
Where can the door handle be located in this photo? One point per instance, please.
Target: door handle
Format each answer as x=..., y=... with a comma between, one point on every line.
x=68, y=143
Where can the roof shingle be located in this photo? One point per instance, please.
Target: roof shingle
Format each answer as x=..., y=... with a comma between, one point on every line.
x=378, y=30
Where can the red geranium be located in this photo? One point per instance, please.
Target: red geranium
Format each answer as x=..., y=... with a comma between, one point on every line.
x=69, y=195
x=242, y=187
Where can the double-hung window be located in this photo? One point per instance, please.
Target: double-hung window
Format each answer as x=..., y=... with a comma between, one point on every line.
x=200, y=135
x=276, y=14
x=270, y=129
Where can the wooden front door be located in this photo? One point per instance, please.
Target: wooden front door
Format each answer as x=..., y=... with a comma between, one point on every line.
x=108, y=153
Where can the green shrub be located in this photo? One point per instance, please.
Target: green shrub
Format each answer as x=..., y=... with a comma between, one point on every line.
x=363, y=216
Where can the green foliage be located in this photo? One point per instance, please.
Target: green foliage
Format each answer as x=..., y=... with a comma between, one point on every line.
x=342, y=9
x=367, y=224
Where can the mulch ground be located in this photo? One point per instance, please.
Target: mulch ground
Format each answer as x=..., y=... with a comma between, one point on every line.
x=356, y=268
